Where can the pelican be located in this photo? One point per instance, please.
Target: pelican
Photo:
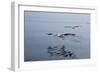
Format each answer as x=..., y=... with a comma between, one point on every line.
x=59, y=35
x=62, y=35
x=73, y=27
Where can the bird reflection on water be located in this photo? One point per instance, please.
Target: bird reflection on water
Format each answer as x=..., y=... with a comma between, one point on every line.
x=55, y=51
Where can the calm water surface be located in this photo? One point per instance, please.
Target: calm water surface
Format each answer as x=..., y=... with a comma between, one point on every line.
x=37, y=25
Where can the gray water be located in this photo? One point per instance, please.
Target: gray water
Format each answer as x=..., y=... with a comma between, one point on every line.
x=37, y=25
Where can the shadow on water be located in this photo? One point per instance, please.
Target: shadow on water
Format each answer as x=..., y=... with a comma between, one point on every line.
x=62, y=51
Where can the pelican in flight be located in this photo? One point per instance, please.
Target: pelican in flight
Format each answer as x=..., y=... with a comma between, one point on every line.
x=73, y=27
x=62, y=35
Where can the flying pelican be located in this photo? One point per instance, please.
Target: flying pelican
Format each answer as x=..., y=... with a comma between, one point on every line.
x=73, y=27
x=62, y=35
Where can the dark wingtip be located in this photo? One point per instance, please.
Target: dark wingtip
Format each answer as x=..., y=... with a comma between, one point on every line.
x=49, y=34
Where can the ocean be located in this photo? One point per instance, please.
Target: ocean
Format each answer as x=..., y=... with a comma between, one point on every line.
x=56, y=36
